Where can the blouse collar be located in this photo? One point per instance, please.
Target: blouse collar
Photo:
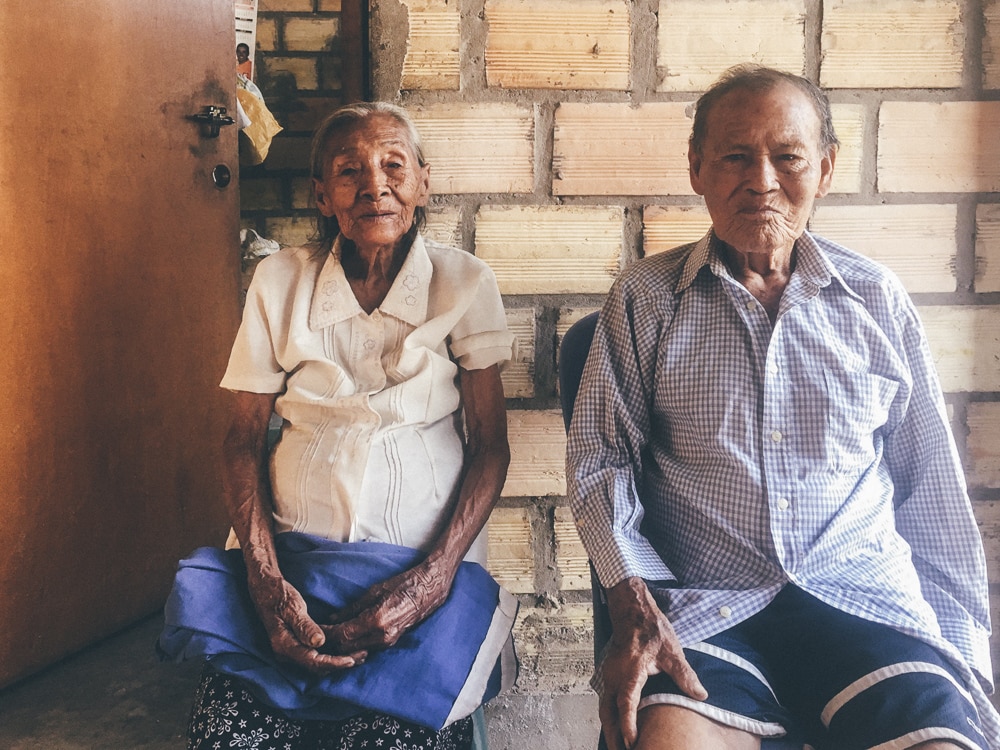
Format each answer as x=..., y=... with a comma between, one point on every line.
x=333, y=301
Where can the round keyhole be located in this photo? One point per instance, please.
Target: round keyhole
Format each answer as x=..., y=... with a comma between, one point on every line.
x=221, y=176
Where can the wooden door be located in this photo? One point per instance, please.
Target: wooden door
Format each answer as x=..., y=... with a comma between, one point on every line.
x=118, y=287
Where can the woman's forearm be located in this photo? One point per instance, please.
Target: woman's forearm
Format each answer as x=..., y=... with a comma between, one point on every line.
x=487, y=456
x=246, y=484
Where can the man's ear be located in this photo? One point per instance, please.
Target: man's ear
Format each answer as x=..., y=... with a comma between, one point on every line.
x=323, y=202
x=826, y=172
x=694, y=171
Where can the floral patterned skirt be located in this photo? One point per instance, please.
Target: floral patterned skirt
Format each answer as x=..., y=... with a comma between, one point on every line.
x=225, y=716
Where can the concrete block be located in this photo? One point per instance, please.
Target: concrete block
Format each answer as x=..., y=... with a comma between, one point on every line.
x=538, y=454
x=433, y=59
x=302, y=193
x=266, y=38
x=310, y=34
x=849, y=122
x=329, y=6
x=617, y=149
x=551, y=249
x=302, y=69
x=988, y=248
x=331, y=66
x=556, y=648
x=991, y=45
x=917, y=242
x=290, y=230
x=698, y=39
x=571, y=557
x=965, y=343
x=260, y=194
x=478, y=148
x=557, y=44
x=309, y=112
x=988, y=519
x=444, y=225
x=666, y=227
x=568, y=316
x=892, y=44
x=519, y=374
x=939, y=147
x=287, y=152
x=983, y=421
x=510, y=558
x=285, y=6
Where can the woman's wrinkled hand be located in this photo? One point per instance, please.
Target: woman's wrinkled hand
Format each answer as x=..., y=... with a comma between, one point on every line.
x=295, y=637
x=387, y=610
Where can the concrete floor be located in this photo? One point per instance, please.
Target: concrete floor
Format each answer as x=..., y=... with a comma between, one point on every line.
x=115, y=695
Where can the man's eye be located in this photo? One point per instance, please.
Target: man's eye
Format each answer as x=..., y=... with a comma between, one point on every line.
x=347, y=172
x=733, y=158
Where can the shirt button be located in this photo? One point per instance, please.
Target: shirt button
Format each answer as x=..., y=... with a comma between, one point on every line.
x=376, y=316
x=776, y=436
x=725, y=612
x=772, y=369
x=751, y=305
x=782, y=504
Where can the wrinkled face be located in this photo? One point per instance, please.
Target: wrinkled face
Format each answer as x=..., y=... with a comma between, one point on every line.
x=762, y=167
x=372, y=183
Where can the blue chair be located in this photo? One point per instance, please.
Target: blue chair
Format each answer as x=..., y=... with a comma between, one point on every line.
x=573, y=353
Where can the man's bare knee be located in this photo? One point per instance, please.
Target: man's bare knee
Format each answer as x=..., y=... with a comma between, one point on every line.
x=665, y=727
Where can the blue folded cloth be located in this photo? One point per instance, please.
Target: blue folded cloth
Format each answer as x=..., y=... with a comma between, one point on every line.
x=438, y=672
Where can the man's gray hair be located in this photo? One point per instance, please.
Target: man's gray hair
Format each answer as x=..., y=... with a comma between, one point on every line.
x=757, y=78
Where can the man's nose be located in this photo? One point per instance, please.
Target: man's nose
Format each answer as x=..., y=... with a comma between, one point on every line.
x=762, y=177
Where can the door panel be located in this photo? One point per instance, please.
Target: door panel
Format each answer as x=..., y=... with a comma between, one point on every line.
x=119, y=291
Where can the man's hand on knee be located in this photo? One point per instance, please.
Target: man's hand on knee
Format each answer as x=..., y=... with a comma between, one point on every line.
x=643, y=643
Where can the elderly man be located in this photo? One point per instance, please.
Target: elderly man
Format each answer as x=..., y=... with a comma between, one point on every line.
x=763, y=474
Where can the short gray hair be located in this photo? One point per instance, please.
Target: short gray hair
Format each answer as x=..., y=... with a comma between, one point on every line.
x=327, y=136
x=757, y=78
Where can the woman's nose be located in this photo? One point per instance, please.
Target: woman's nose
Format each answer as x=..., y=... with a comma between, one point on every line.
x=374, y=183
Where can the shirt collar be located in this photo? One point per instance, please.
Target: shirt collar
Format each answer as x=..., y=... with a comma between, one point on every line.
x=333, y=301
x=811, y=263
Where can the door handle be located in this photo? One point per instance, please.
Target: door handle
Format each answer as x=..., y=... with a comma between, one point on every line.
x=211, y=118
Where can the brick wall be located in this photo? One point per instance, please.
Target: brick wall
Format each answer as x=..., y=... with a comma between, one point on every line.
x=556, y=131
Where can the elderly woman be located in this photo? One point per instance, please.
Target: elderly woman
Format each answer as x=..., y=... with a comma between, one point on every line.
x=380, y=351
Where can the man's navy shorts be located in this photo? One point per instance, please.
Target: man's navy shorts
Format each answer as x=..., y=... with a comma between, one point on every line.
x=828, y=679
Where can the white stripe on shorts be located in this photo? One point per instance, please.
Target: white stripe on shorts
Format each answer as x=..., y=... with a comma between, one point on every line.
x=736, y=660
x=872, y=678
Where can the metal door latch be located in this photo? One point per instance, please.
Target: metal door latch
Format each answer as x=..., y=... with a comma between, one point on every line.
x=212, y=118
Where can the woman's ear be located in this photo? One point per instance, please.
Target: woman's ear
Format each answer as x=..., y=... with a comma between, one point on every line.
x=323, y=202
x=425, y=185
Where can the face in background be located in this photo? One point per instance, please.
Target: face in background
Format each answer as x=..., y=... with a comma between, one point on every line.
x=372, y=182
x=761, y=167
x=242, y=53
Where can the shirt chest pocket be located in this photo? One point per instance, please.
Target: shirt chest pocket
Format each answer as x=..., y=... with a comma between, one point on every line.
x=856, y=405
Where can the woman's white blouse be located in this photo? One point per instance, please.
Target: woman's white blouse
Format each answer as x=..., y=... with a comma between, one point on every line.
x=372, y=442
